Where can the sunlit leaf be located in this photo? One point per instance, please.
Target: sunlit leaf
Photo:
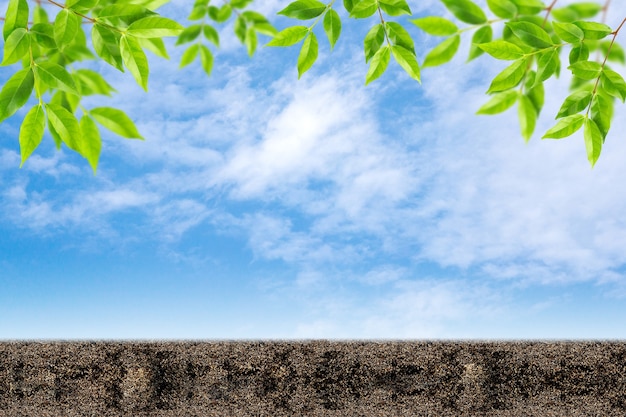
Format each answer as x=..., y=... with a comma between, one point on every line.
x=378, y=64
x=135, y=60
x=116, y=121
x=289, y=36
x=436, y=26
x=407, y=61
x=565, y=127
x=31, y=131
x=15, y=92
x=332, y=27
x=593, y=141
x=499, y=103
x=509, y=77
x=308, y=54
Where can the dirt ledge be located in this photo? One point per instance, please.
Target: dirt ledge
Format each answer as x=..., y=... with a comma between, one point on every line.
x=312, y=378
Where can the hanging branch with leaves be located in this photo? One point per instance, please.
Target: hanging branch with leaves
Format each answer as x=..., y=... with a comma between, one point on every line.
x=45, y=44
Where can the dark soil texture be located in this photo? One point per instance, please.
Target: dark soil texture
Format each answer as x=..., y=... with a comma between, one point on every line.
x=312, y=378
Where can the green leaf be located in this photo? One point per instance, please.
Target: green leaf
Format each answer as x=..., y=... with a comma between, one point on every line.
x=547, y=65
x=529, y=7
x=250, y=41
x=576, y=11
x=289, y=36
x=154, y=45
x=55, y=76
x=107, y=45
x=586, y=9
x=536, y=93
x=211, y=34
x=482, y=35
x=575, y=103
x=16, y=17
x=504, y=9
x=220, y=14
x=527, y=114
x=466, y=11
x=602, y=112
x=614, y=84
x=127, y=13
x=31, y=132
x=16, y=92
x=443, y=52
x=65, y=126
x=198, y=12
x=332, y=27
x=265, y=29
x=189, y=55
x=568, y=32
x=77, y=50
x=407, y=61
x=509, y=77
x=373, y=41
x=254, y=17
x=16, y=46
x=81, y=5
x=240, y=28
x=206, y=59
x=240, y=4
x=379, y=64
x=502, y=50
x=499, y=103
x=116, y=121
x=616, y=52
x=564, y=14
x=154, y=27
x=135, y=60
x=436, y=26
x=531, y=34
x=40, y=16
x=348, y=5
x=395, y=7
x=58, y=142
x=43, y=34
x=593, y=30
x=579, y=53
x=66, y=25
x=586, y=70
x=308, y=54
x=303, y=9
x=68, y=101
x=565, y=127
x=593, y=141
x=363, y=9
x=90, y=144
x=399, y=36
x=91, y=82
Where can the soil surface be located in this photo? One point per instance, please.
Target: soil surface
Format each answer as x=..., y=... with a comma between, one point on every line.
x=312, y=378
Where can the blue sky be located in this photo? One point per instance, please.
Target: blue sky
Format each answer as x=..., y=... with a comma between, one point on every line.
x=263, y=207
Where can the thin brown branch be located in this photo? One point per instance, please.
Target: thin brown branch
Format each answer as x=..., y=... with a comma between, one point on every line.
x=548, y=11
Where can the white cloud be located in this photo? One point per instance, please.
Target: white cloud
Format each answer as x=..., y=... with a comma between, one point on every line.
x=407, y=309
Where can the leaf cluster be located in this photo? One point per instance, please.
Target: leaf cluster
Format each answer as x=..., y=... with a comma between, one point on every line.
x=47, y=51
x=45, y=45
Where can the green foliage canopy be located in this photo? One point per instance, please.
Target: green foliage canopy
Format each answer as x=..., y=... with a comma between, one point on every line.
x=44, y=39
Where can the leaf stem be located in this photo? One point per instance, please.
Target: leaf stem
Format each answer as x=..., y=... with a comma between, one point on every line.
x=382, y=20
x=606, y=57
x=62, y=6
x=548, y=12
x=316, y=21
x=605, y=10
